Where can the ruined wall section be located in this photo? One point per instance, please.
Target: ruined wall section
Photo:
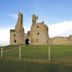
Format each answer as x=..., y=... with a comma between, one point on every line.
x=12, y=38
x=18, y=36
x=70, y=37
x=61, y=41
x=39, y=34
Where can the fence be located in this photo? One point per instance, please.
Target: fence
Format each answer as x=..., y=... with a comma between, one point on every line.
x=43, y=53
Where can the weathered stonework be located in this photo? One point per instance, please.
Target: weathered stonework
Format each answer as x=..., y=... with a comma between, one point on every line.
x=61, y=41
x=17, y=35
x=38, y=35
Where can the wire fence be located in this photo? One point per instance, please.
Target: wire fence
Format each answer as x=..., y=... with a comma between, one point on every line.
x=37, y=53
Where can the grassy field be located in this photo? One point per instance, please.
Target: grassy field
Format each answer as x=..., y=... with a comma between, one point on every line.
x=21, y=66
x=35, y=59
x=59, y=53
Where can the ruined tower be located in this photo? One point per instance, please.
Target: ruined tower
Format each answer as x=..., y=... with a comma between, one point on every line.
x=17, y=35
x=39, y=32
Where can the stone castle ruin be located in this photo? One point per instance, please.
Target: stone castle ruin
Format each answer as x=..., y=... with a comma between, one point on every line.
x=38, y=35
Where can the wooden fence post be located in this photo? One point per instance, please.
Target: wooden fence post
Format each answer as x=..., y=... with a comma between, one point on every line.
x=49, y=51
x=1, y=53
x=19, y=52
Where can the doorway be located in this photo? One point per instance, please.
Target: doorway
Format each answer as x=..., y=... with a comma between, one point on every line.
x=27, y=41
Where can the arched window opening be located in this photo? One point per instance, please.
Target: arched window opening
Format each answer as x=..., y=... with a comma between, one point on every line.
x=38, y=33
x=14, y=35
x=37, y=26
x=14, y=40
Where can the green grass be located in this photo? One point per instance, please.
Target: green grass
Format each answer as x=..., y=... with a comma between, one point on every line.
x=61, y=52
x=61, y=59
x=21, y=66
x=58, y=52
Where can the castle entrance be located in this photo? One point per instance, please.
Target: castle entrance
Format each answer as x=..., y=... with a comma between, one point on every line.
x=26, y=41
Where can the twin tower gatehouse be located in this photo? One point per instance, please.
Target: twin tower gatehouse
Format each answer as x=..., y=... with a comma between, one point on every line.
x=38, y=35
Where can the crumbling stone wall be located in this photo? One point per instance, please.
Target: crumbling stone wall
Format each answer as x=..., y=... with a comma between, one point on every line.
x=17, y=35
x=39, y=32
x=61, y=41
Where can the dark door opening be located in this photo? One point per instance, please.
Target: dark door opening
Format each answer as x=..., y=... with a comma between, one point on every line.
x=27, y=41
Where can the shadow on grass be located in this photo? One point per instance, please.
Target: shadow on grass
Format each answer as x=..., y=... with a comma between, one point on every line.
x=21, y=66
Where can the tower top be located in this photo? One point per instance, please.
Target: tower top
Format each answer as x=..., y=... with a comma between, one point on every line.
x=19, y=24
x=19, y=14
x=34, y=19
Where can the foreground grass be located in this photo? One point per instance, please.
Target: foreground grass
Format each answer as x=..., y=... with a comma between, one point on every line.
x=40, y=52
x=21, y=66
x=61, y=59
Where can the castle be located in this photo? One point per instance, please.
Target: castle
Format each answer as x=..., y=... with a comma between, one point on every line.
x=38, y=35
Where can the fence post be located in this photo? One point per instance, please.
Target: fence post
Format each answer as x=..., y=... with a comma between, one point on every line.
x=49, y=51
x=19, y=52
x=1, y=53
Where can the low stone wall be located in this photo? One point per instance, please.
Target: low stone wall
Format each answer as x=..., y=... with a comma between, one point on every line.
x=60, y=41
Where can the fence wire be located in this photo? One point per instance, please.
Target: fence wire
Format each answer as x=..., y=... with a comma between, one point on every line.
x=62, y=53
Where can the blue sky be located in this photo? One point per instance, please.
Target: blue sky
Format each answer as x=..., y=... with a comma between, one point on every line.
x=51, y=11
x=57, y=14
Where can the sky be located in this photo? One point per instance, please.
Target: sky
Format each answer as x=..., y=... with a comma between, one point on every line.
x=56, y=14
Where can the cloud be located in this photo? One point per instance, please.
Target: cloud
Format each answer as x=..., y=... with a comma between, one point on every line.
x=59, y=29
x=4, y=37
x=26, y=29
x=13, y=15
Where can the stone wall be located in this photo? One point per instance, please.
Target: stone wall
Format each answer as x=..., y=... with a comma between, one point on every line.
x=39, y=34
x=12, y=39
x=17, y=36
x=61, y=41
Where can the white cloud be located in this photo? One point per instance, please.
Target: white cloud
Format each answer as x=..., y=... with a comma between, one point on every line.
x=27, y=28
x=4, y=37
x=59, y=29
x=13, y=15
